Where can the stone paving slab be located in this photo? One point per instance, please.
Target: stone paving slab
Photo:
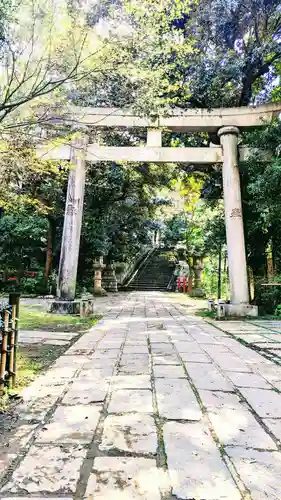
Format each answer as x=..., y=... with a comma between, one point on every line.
x=267, y=404
x=274, y=425
x=50, y=469
x=231, y=362
x=71, y=425
x=149, y=387
x=207, y=376
x=248, y=380
x=105, y=354
x=195, y=465
x=134, y=364
x=125, y=479
x=240, y=428
x=162, y=349
x=216, y=400
x=48, y=334
x=195, y=357
x=96, y=374
x=137, y=349
x=269, y=371
x=259, y=470
x=127, y=400
x=166, y=359
x=86, y=392
x=45, y=337
x=169, y=371
x=134, y=433
x=55, y=342
x=131, y=382
x=176, y=400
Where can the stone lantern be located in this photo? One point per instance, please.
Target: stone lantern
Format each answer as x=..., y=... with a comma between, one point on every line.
x=197, y=269
x=109, y=279
x=98, y=268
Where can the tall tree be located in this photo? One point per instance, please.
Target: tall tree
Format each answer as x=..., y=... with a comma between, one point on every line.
x=208, y=53
x=45, y=47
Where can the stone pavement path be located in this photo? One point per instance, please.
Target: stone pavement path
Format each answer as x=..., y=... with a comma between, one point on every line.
x=261, y=335
x=46, y=337
x=150, y=404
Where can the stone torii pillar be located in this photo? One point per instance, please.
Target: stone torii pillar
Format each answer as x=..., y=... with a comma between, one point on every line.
x=72, y=219
x=234, y=225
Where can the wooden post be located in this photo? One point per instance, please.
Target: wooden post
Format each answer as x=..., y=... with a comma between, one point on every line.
x=5, y=317
x=14, y=300
x=189, y=287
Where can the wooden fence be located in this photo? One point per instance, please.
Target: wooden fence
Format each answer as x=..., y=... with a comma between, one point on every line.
x=9, y=321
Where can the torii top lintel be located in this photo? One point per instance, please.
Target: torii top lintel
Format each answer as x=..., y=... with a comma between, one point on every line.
x=192, y=120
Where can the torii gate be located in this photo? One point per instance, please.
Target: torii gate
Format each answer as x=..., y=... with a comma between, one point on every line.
x=225, y=122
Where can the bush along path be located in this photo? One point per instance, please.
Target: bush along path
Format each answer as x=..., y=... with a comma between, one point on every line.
x=151, y=403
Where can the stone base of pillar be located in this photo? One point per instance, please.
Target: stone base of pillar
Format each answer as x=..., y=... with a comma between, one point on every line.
x=65, y=307
x=241, y=310
x=81, y=307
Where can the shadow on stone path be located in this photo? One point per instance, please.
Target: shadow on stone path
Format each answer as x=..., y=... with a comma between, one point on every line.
x=150, y=404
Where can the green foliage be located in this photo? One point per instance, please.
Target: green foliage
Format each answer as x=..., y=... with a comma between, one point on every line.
x=35, y=285
x=22, y=248
x=267, y=298
x=206, y=230
x=175, y=230
x=210, y=278
x=261, y=182
x=27, y=181
x=22, y=237
x=206, y=314
x=202, y=54
x=120, y=212
x=33, y=319
x=278, y=310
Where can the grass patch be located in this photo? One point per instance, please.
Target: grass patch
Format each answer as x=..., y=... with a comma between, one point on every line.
x=35, y=358
x=205, y=314
x=33, y=319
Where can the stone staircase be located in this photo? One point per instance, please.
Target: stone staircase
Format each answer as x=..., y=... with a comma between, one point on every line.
x=155, y=274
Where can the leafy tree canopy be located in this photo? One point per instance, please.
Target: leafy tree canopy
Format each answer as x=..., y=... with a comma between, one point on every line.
x=208, y=53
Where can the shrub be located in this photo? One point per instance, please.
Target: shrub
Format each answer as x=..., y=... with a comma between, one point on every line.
x=268, y=298
x=278, y=310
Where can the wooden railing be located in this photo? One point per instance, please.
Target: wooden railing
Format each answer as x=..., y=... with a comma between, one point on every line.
x=9, y=321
